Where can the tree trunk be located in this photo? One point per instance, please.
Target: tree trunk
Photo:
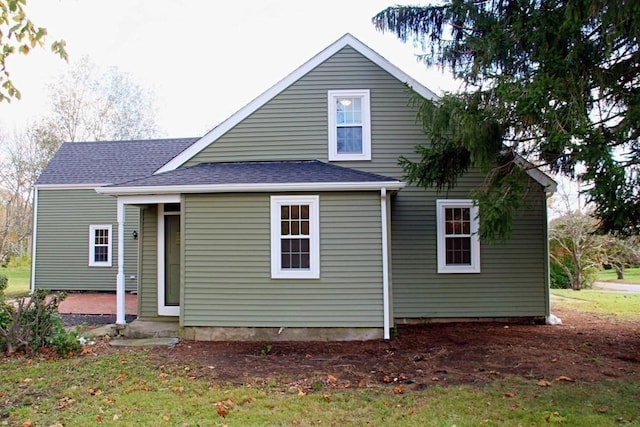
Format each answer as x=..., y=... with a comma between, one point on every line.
x=619, y=272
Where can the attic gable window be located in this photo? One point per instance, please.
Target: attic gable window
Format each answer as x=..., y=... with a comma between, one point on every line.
x=349, y=125
x=458, y=243
x=295, y=229
x=100, y=238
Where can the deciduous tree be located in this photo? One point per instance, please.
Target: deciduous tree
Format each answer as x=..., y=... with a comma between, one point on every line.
x=18, y=34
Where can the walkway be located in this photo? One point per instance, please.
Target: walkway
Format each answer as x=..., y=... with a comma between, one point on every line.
x=96, y=303
x=621, y=287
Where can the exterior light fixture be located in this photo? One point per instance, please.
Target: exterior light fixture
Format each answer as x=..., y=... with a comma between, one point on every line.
x=135, y=235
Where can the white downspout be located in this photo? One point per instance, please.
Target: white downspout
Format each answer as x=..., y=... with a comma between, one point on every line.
x=120, y=297
x=385, y=265
x=33, y=240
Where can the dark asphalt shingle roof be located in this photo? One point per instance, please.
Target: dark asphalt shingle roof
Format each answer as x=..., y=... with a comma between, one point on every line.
x=110, y=162
x=277, y=172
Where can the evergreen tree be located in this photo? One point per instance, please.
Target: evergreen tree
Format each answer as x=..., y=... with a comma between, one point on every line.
x=551, y=84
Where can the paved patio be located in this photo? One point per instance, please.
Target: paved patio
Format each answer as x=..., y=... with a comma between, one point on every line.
x=96, y=303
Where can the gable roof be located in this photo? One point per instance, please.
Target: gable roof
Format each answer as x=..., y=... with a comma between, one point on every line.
x=109, y=162
x=244, y=112
x=255, y=177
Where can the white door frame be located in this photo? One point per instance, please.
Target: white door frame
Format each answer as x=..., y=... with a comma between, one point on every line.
x=163, y=309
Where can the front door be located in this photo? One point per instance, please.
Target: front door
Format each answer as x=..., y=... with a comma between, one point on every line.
x=169, y=261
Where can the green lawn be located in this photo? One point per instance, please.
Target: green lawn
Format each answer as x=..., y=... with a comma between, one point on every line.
x=621, y=304
x=631, y=275
x=131, y=389
x=18, y=280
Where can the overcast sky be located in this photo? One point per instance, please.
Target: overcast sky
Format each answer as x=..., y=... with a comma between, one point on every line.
x=203, y=59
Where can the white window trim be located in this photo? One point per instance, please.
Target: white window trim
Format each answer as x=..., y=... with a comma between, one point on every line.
x=474, y=267
x=313, y=272
x=366, y=124
x=92, y=246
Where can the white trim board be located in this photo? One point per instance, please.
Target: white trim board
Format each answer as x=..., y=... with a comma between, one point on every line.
x=252, y=188
x=244, y=112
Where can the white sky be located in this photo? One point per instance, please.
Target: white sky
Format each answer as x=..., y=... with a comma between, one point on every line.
x=203, y=59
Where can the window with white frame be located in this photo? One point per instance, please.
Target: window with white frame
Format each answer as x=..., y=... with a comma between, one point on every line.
x=295, y=239
x=349, y=125
x=100, y=239
x=458, y=243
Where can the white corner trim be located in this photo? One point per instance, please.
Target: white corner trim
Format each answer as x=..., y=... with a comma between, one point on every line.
x=34, y=240
x=244, y=112
x=157, y=191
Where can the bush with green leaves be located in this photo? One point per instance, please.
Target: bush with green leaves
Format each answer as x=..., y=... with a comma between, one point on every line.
x=33, y=323
x=5, y=309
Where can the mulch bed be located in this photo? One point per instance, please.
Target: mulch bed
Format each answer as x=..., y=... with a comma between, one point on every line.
x=586, y=348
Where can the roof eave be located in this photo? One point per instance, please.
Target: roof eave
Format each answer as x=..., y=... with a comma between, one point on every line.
x=252, y=188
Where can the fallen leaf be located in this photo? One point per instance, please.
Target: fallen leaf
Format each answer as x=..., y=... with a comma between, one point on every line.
x=331, y=379
x=602, y=409
x=27, y=423
x=116, y=417
x=166, y=417
x=435, y=379
x=543, y=383
x=163, y=375
x=398, y=390
x=387, y=379
x=509, y=394
x=222, y=411
x=177, y=389
x=565, y=379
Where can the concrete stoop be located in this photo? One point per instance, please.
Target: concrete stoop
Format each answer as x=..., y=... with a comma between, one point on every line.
x=150, y=329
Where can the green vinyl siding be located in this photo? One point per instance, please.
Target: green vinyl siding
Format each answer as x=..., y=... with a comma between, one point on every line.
x=148, y=296
x=62, y=241
x=294, y=125
x=227, y=270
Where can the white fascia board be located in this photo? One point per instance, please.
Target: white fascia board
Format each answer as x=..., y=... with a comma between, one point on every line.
x=149, y=199
x=244, y=112
x=549, y=184
x=70, y=186
x=253, y=188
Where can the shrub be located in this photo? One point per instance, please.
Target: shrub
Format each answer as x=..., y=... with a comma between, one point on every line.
x=559, y=279
x=35, y=323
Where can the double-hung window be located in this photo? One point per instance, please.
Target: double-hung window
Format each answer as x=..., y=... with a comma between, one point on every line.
x=100, y=239
x=349, y=125
x=295, y=240
x=458, y=243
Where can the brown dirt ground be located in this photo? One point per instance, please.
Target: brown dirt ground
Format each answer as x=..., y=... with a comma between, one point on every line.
x=586, y=348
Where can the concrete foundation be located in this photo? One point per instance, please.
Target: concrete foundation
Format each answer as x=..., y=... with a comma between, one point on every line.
x=206, y=333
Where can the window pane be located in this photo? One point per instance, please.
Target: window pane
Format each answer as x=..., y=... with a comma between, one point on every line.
x=284, y=212
x=349, y=140
x=295, y=253
x=305, y=228
x=304, y=211
x=295, y=228
x=458, y=251
x=101, y=254
x=286, y=260
x=295, y=212
x=284, y=228
x=304, y=260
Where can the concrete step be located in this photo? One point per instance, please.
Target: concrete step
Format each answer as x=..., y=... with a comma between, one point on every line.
x=150, y=329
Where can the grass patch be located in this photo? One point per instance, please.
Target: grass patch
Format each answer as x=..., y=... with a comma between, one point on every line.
x=130, y=389
x=619, y=304
x=18, y=280
x=631, y=275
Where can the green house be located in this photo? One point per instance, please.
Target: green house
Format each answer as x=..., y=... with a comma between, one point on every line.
x=290, y=219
